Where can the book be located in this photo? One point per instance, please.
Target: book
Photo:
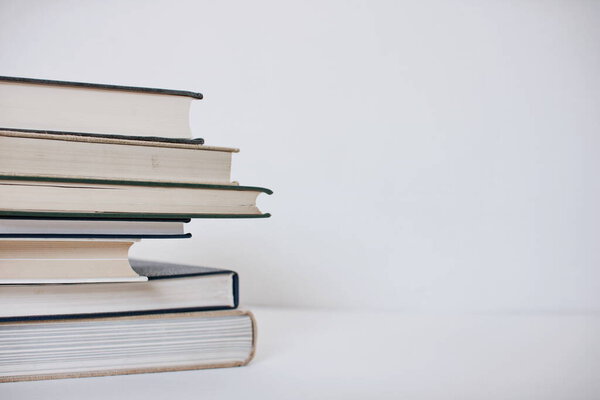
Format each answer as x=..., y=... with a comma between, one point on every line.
x=86, y=171
x=92, y=228
x=44, y=196
x=31, y=261
x=169, y=287
x=47, y=105
x=83, y=347
x=35, y=154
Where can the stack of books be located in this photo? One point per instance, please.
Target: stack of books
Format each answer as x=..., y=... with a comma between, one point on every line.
x=86, y=171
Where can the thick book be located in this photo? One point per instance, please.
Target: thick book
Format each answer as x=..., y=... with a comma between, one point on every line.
x=46, y=105
x=169, y=288
x=84, y=347
x=76, y=156
x=46, y=196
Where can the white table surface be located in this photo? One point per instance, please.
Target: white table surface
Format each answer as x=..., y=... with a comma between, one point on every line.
x=317, y=354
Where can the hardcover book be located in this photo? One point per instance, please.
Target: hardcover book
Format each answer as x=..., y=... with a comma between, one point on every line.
x=44, y=196
x=83, y=347
x=169, y=287
x=46, y=105
x=76, y=156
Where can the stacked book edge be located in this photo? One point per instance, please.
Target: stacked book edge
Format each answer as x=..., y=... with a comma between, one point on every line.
x=86, y=171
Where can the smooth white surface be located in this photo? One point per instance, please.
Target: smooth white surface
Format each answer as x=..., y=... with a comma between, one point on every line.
x=424, y=155
x=306, y=354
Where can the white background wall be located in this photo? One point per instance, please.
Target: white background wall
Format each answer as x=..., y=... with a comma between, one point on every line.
x=424, y=155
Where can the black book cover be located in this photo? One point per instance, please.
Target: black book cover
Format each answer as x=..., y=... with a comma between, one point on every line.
x=194, y=141
x=49, y=82
x=160, y=270
x=67, y=217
